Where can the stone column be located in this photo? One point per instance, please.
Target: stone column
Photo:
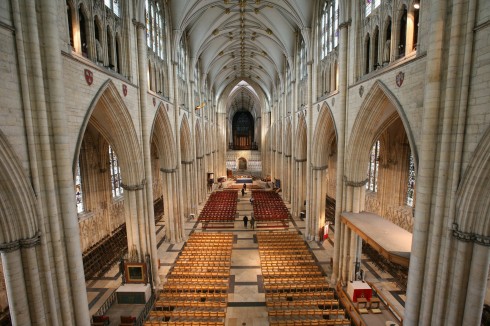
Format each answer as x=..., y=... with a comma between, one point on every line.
x=341, y=129
x=23, y=282
x=148, y=219
x=317, y=211
x=71, y=256
x=16, y=286
x=168, y=201
x=426, y=173
x=44, y=277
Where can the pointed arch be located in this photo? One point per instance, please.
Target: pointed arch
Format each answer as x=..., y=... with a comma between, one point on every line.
x=301, y=138
x=163, y=137
x=378, y=111
x=287, y=146
x=207, y=139
x=325, y=132
x=199, y=140
x=185, y=140
x=473, y=202
x=18, y=217
x=110, y=116
x=279, y=137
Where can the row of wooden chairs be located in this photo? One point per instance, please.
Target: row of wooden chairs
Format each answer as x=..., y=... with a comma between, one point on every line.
x=318, y=322
x=196, y=291
x=221, y=206
x=193, y=296
x=304, y=313
x=160, y=303
x=321, y=303
x=293, y=296
x=184, y=323
x=269, y=206
x=296, y=291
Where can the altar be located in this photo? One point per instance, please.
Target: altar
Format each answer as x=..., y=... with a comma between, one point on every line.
x=133, y=293
x=244, y=180
x=359, y=289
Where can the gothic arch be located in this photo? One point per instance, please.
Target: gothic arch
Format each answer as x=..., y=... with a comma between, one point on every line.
x=110, y=116
x=185, y=140
x=163, y=138
x=473, y=202
x=324, y=134
x=378, y=111
x=18, y=217
x=208, y=143
x=301, y=138
x=199, y=140
x=279, y=137
x=287, y=146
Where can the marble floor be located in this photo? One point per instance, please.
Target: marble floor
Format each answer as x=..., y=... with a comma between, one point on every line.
x=246, y=298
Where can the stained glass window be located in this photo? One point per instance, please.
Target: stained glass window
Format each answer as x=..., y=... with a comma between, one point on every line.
x=411, y=181
x=329, y=29
x=113, y=5
x=373, y=167
x=116, y=179
x=78, y=190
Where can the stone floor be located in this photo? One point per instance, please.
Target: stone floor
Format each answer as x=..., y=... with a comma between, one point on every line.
x=246, y=300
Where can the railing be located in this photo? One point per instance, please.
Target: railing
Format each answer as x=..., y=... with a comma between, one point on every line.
x=106, y=305
x=395, y=311
x=148, y=306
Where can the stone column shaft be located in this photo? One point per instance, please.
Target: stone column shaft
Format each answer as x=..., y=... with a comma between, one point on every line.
x=148, y=219
x=16, y=288
x=426, y=174
x=341, y=121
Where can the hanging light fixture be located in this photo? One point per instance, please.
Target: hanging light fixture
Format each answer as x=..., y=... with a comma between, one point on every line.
x=416, y=4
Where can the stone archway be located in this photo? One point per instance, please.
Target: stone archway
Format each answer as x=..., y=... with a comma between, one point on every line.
x=188, y=194
x=164, y=142
x=242, y=163
x=20, y=238
x=469, y=243
x=323, y=165
x=380, y=119
x=109, y=120
x=300, y=165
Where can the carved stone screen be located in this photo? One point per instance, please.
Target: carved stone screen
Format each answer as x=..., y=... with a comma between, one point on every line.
x=243, y=130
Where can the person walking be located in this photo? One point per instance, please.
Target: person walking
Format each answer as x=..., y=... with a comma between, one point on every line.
x=252, y=223
x=245, y=221
x=243, y=192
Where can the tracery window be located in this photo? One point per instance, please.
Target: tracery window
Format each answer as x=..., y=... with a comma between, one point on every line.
x=329, y=29
x=373, y=167
x=371, y=5
x=155, y=28
x=181, y=65
x=78, y=190
x=116, y=180
x=113, y=5
x=411, y=181
x=302, y=60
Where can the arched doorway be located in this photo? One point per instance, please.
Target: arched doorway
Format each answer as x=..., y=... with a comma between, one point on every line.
x=242, y=163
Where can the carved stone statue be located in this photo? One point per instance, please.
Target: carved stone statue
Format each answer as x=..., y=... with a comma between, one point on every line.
x=98, y=48
x=387, y=52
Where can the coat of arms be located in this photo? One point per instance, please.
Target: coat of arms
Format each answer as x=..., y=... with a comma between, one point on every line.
x=89, y=76
x=399, y=78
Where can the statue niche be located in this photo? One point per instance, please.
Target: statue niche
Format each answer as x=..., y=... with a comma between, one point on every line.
x=243, y=131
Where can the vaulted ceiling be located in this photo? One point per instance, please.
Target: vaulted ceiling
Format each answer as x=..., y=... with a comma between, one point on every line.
x=237, y=40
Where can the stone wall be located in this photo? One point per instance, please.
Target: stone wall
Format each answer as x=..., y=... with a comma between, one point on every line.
x=97, y=225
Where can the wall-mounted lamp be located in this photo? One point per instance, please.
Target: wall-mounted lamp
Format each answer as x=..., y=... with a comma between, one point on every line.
x=416, y=4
